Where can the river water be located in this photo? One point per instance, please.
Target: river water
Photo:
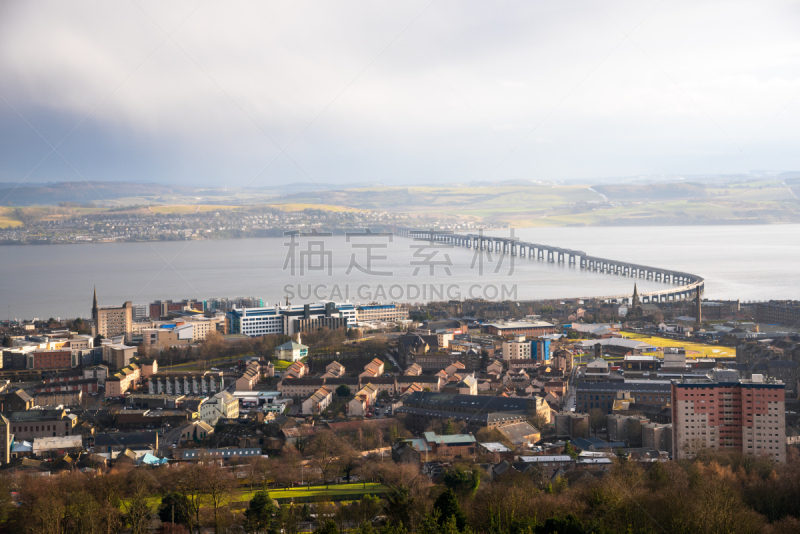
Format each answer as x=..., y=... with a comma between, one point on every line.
x=744, y=262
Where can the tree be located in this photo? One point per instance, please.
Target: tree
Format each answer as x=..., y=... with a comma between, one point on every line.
x=447, y=505
x=218, y=487
x=325, y=449
x=399, y=505
x=569, y=450
x=258, y=470
x=174, y=508
x=8, y=342
x=448, y=428
x=188, y=481
x=633, y=433
x=461, y=482
x=538, y=421
x=597, y=419
x=343, y=390
x=137, y=509
x=349, y=461
x=260, y=515
x=366, y=509
x=328, y=527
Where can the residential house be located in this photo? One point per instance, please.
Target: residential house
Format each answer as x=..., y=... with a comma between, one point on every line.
x=318, y=402
x=222, y=405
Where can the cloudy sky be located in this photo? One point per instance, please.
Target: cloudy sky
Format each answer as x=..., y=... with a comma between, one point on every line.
x=259, y=93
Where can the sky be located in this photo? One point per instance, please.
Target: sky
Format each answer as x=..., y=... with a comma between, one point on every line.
x=254, y=94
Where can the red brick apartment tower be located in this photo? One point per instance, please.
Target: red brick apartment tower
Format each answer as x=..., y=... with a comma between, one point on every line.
x=743, y=415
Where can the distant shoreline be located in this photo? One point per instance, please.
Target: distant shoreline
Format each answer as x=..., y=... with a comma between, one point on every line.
x=279, y=233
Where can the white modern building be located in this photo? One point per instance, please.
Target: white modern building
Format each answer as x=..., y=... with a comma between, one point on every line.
x=291, y=319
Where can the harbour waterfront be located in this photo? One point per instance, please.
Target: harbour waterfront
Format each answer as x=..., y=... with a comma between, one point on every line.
x=744, y=262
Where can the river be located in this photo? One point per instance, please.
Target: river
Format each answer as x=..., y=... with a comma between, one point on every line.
x=738, y=262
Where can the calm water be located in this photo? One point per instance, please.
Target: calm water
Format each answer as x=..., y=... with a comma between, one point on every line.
x=745, y=262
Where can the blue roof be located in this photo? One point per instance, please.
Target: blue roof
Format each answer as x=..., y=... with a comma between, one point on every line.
x=149, y=459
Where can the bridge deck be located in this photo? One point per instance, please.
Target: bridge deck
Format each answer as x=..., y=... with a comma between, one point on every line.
x=690, y=283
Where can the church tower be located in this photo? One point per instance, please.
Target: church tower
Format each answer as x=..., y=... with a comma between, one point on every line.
x=94, y=306
x=635, y=301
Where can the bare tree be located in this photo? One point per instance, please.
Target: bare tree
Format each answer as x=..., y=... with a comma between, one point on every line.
x=218, y=489
x=188, y=481
x=325, y=449
x=258, y=470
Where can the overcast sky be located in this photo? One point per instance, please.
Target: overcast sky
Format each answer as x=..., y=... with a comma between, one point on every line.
x=260, y=93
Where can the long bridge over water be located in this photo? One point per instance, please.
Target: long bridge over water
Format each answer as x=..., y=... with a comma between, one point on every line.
x=686, y=285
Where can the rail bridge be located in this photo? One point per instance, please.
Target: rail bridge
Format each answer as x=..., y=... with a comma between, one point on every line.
x=686, y=284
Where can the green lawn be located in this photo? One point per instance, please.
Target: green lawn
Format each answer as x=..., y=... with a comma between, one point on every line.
x=693, y=350
x=322, y=491
x=281, y=365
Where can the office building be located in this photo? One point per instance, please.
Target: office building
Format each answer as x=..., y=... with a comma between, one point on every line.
x=523, y=328
x=381, y=313
x=291, y=319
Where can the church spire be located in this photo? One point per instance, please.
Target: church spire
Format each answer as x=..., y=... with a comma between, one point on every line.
x=635, y=296
x=94, y=305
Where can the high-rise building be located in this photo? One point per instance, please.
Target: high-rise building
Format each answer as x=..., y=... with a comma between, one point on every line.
x=724, y=412
x=112, y=321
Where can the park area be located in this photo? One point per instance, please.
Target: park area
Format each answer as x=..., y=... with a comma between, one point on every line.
x=334, y=492
x=693, y=350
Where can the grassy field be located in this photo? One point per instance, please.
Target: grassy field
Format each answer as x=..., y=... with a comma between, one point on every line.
x=355, y=489
x=693, y=350
x=281, y=365
x=7, y=219
x=539, y=204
